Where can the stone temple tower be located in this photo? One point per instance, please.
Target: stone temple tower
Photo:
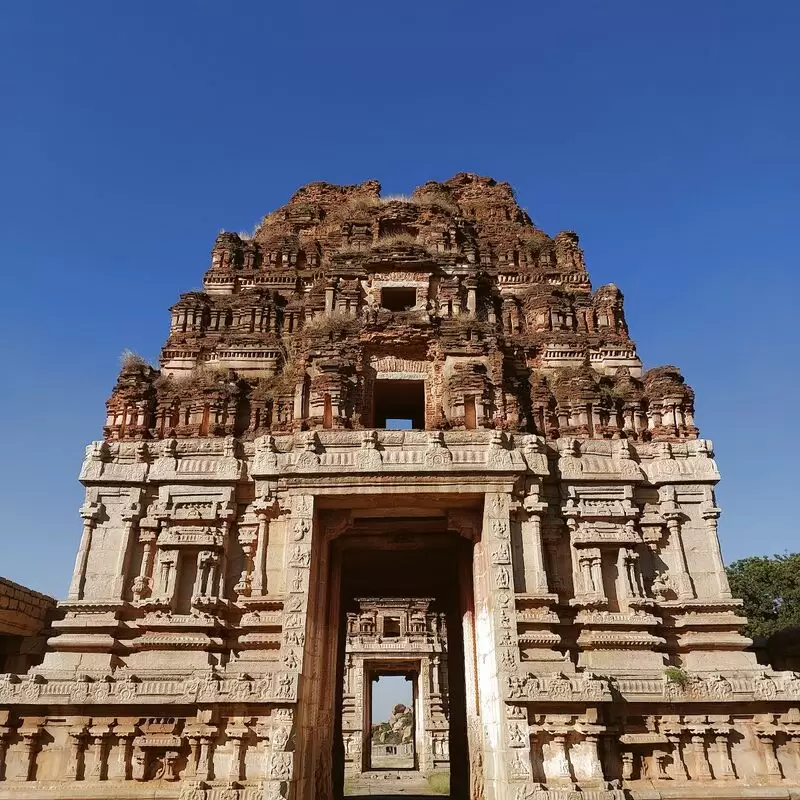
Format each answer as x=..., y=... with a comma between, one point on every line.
x=399, y=436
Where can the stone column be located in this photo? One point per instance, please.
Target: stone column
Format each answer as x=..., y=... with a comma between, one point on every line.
x=204, y=758
x=89, y=513
x=495, y=642
x=130, y=518
x=535, y=572
x=221, y=566
x=296, y=649
x=627, y=765
x=265, y=510
x=248, y=543
x=435, y=675
x=422, y=717
x=94, y=770
x=726, y=771
x=125, y=731
x=77, y=738
x=672, y=516
x=679, y=764
x=701, y=764
x=557, y=766
x=167, y=571
x=595, y=766
x=236, y=733
x=25, y=762
x=772, y=767
x=710, y=514
x=142, y=585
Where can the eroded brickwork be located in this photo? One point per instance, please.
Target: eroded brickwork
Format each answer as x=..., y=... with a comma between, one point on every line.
x=199, y=652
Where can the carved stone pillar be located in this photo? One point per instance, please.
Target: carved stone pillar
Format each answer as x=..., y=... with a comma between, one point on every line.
x=236, y=733
x=204, y=758
x=726, y=770
x=125, y=731
x=678, y=762
x=435, y=675
x=3, y=750
x=25, y=763
x=89, y=513
x=77, y=738
x=130, y=518
x=672, y=517
x=557, y=765
x=265, y=509
x=247, y=541
x=142, y=585
x=589, y=584
x=772, y=767
x=710, y=514
x=594, y=766
x=535, y=571
x=166, y=581
x=627, y=765
x=94, y=769
x=701, y=765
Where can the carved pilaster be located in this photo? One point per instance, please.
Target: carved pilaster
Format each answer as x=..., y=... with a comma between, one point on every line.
x=130, y=519
x=25, y=764
x=90, y=512
x=701, y=766
x=265, y=509
x=772, y=767
x=680, y=772
x=77, y=740
x=710, y=514
x=142, y=585
x=535, y=571
x=672, y=516
x=722, y=744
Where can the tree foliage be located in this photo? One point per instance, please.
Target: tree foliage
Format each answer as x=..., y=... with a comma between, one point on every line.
x=770, y=588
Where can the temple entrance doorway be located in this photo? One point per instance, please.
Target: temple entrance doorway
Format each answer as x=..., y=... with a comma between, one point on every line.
x=404, y=588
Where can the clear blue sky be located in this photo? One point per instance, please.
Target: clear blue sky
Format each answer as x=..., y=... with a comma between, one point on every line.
x=664, y=133
x=387, y=692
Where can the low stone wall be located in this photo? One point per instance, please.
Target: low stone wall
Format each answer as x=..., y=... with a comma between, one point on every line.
x=24, y=615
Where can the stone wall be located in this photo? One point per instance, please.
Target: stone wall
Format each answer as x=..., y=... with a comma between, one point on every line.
x=24, y=617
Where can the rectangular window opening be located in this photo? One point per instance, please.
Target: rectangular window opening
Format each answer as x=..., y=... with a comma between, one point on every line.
x=398, y=298
x=391, y=627
x=398, y=403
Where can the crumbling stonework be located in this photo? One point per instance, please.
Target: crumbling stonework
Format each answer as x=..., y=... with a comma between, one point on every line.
x=24, y=618
x=554, y=500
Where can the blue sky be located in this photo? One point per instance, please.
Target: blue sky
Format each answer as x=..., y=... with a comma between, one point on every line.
x=665, y=134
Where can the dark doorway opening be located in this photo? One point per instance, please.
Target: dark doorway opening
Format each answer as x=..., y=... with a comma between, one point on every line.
x=404, y=562
x=398, y=298
x=398, y=402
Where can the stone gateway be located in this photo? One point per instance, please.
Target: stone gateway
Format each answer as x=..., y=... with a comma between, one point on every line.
x=399, y=436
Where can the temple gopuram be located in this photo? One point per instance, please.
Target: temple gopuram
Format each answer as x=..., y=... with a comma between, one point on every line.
x=399, y=435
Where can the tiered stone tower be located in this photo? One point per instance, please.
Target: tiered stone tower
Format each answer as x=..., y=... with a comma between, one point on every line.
x=554, y=501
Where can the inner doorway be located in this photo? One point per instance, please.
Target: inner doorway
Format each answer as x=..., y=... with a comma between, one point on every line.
x=392, y=707
x=403, y=595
